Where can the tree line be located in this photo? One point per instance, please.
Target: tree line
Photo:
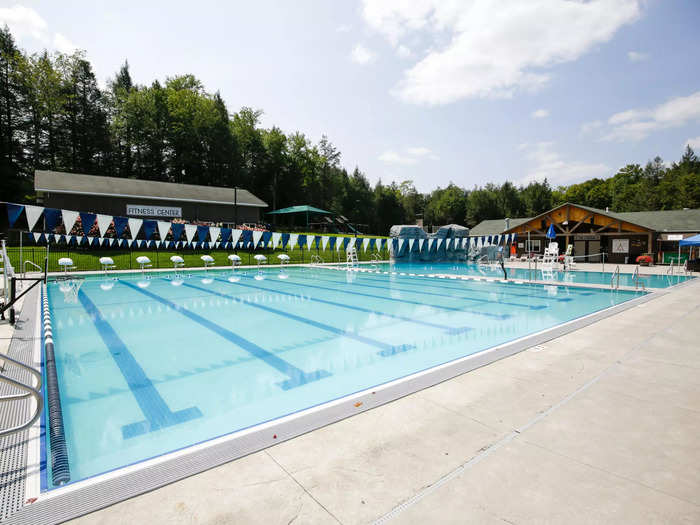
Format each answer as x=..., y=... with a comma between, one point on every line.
x=54, y=115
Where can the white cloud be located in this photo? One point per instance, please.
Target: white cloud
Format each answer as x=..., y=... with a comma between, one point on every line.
x=492, y=48
x=540, y=113
x=362, y=55
x=62, y=44
x=403, y=51
x=694, y=143
x=409, y=156
x=637, y=124
x=637, y=56
x=25, y=22
x=546, y=162
x=343, y=28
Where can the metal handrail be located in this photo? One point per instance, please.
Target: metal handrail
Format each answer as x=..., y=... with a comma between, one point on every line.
x=616, y=273
x=24, y=266
x=28, y=391
x=316, y=259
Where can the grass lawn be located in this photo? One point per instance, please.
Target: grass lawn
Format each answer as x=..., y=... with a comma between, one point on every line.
x=86, y=259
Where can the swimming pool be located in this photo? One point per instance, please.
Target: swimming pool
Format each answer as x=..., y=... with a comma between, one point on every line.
x=577, y=276
x=151, y=365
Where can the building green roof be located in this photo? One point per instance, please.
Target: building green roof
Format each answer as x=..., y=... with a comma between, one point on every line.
x=495, y=226
x=664, y=220
x=299, y=209
x=80, y=184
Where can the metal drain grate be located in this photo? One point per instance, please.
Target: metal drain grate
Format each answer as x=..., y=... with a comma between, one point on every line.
x=13, y=448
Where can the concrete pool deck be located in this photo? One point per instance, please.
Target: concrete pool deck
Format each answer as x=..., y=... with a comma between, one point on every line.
x=598, y=426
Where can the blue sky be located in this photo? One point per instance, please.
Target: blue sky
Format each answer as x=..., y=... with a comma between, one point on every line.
x=428, y=90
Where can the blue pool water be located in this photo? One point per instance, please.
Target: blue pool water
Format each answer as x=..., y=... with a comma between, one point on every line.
x=579, y=277
x=150, y=366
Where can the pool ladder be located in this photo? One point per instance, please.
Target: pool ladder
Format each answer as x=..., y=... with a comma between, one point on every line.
x=27, y=391
x=637, y=280
x=615, y=279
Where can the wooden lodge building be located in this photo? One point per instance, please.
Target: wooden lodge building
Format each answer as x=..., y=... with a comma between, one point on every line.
x=621, y=236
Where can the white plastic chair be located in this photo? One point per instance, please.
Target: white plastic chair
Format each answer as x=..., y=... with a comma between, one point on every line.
x=208, y=260
x=284, y=258
x=66, y=263
x=144, y=262
x=178, y=262
x=261, y=259
x=107, y=264
x=235, y=260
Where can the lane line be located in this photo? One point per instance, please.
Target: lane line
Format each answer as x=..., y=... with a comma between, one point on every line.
x=155, y=409
x=296, y=376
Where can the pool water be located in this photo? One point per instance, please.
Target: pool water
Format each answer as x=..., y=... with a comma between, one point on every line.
x=147, y=366
x=577, y=276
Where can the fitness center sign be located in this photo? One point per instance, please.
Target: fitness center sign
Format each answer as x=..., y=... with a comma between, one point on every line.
x=140, y=210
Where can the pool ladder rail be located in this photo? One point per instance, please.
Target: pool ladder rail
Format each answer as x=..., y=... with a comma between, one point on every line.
x=27, y=390
x=316, y=259
x=615, y=278
x=637, y=280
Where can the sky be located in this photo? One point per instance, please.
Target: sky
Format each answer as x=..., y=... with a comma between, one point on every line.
x=433, y=91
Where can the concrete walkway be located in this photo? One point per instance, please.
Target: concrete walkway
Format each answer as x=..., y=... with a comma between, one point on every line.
x=599, y=426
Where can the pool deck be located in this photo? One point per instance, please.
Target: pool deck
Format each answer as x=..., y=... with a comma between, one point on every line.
x=598, y=426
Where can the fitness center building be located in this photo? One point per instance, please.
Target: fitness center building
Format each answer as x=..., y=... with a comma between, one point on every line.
x=146, y=199
x=621, y=236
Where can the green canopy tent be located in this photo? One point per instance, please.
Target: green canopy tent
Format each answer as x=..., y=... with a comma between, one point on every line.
x=306, y=209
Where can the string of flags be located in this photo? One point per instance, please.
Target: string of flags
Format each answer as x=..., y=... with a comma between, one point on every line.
x=173, y=235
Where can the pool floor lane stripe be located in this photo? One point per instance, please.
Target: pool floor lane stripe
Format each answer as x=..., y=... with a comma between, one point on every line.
x=404, y=301
x=296, y=376
x=459, y=284
x=436, y=294
x=155, y=409
x=384, y=347
x=448, y=329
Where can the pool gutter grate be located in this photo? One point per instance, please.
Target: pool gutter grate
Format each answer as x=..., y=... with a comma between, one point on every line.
x=13, y=448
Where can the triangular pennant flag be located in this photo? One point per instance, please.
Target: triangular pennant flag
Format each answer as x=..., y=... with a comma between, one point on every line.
x=130, y=242
x=163, y=228
x=235, y=237
x=498, y=240
x=434, y=244
x=293, y=240
x=120, y=224
x=276, y=238
x=190, y=230
x=69, y=218
x=339, y=244
x=103, y=222
x=37, y=236
x=420, y=244
x=441, y=245
x=400, y=246
x=216, y=245
x=33, y=214
x=309, y=241
x=214, y=233
x=410, y=245
x=257, y=235
x=365, y=243
x=56, y=237
x=13, y=213
x=135, y=227
x=87, y=220
x=324, y=242
x=105, y=240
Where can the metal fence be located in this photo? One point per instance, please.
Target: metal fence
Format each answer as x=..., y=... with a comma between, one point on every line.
x=31, y=258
